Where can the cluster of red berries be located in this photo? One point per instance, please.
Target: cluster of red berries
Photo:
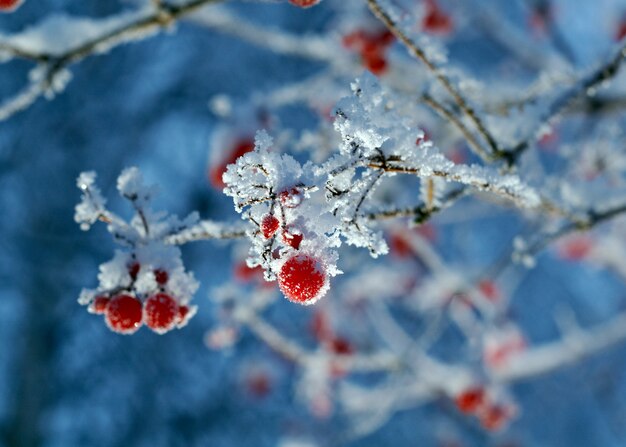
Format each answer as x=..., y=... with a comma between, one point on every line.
x=240, y=147
x=302, y=277
x=372, y=47
x=124, y=313
x=304, y=3
x=475, y=401
x=9, y=5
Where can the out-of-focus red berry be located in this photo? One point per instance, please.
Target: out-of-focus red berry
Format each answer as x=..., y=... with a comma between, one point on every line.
x=304, y=3
x=436, y=21
x=241, y=147
x=470, y=400
x=9, y=5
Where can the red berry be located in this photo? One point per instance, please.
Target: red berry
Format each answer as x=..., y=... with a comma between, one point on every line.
x=494, y=417
x=302, y=279
x=375, y=63
x=161, y=276
x=9, y=5
x=490, y=290
x=341, y=346
x=241, y=147
x=259, y=384
x=436, y=20
x=160, y=313
x=620, y=33
x=123, y=314
x=576, y=248
x=292, y=238
x=184, y=315
x=400, y=246
x=246, y=274
x=133, y=270
x=269, y=225
x=99, y=304
x=291, y=198
x=320, y=326
x=470, y=400
x=304, y=3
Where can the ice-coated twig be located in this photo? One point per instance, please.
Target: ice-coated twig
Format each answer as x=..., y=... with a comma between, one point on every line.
x=141, y=25
x=207, y=230
x=383, y=10
x=586, y=85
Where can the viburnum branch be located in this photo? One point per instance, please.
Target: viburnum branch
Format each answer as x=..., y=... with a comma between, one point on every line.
x=447, y=114
x=385, y=17
x=53, y=64
x=584, y=86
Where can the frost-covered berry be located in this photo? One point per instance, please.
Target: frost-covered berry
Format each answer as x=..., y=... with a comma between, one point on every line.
x=303, y=279
x=99, y=304
x=470, y=400
x=9, y=5
x=123, y=314
x=161, y=276
x=160, y=313
x=291, y=198
x=304, y=3
x=269, y=225
x=292, y=238
x=184, y=315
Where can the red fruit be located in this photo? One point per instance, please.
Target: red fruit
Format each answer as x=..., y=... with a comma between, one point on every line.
x=304, y=3
x=341, y=346
x=494, y=417
x=490, y=290
x=371, y=47
x=9, y=5
x=133, y=268
x=576, y=248
x=241, y=147
x=436, y=20
x=399, y=246
x=269, y=225
x=620, y=33
x=99, y=304
x=160, y=313
x=291, y=198
x=320, y=326
x=161, y=276
x=259, y=384
x=184, y=315
x=123, y=314
x=302, y=279
x=470, y=400
x=376, y=63
x=246, y=274
x=292, y=238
